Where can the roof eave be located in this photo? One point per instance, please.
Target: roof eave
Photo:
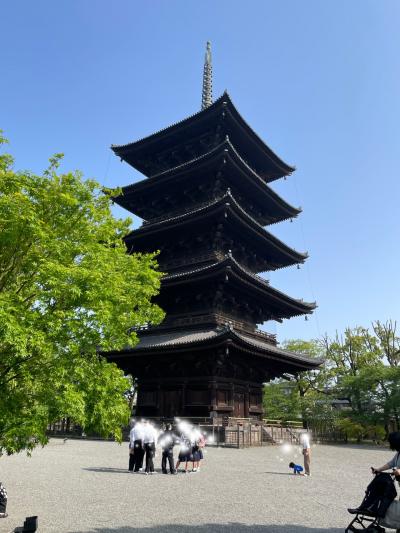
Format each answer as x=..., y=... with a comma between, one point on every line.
x=230, y=265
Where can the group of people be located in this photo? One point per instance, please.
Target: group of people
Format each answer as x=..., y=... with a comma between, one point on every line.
x=391, y=519
x=144, y=437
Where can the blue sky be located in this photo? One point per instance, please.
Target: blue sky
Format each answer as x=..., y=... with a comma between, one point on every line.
x=318, y=80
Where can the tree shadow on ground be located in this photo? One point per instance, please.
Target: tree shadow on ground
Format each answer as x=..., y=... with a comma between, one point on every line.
x=232, y=527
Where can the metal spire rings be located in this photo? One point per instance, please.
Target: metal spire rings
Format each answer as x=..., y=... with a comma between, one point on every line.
x=206, y=95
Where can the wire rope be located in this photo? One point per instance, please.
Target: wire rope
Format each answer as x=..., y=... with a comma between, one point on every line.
x=308, y=272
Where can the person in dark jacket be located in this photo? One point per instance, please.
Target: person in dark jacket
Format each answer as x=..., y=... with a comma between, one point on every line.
x=394, y=463
x=168, y=439
x=3, y=501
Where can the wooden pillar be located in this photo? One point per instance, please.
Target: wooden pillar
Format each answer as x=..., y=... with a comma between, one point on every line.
x=213, y=387
x=159, y=400
x=183, y=397
x=232, y=399
x=246, y=402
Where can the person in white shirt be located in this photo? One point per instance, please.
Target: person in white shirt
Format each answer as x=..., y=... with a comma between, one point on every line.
x=305, y=442
x=149, y=441
x=136, y=451
x=131, y=448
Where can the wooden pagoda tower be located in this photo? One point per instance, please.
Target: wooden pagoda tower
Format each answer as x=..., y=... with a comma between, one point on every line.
x=204, y=204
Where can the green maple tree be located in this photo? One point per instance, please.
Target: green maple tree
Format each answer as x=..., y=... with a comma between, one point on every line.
x=68, y=290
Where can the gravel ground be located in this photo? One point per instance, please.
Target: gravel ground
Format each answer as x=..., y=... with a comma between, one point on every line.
x=84, y=487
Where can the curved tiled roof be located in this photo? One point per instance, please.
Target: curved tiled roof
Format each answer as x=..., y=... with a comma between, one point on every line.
x=260, y=283
x=161, y=131
x=224, y=148
x=176, y=338
x=253, y=341
x=288, y=169
x=155, y=340
x=223, y=102
x=228, y=200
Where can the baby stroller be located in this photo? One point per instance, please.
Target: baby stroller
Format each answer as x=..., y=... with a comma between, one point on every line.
x=369, y=515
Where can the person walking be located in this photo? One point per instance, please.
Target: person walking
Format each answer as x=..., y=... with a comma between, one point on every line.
x=149, y=441
x=305, y=442
x=168, y=439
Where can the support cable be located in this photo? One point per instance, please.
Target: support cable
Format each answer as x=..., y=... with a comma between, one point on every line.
x=315, y=314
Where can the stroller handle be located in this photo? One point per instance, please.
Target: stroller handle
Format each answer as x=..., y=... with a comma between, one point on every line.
x=392, y=473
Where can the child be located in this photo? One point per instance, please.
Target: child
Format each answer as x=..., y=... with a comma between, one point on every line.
x=297, y=469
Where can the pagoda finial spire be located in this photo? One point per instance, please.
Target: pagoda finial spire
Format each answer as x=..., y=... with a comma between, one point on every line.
x=206, y=95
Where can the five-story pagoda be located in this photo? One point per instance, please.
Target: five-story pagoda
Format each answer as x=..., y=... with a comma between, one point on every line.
x=204, y=204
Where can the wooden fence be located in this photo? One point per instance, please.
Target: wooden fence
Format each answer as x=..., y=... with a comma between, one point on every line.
x=229, y=432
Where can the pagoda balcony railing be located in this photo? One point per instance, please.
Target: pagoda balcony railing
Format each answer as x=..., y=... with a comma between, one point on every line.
x=183, y=211
x=196, y=205
x=270, y=337
x=185, y=261
x=206, y=255
x=218, y=319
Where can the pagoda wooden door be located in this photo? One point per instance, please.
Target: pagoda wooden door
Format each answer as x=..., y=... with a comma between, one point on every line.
x=238, y=404
x=172, y=405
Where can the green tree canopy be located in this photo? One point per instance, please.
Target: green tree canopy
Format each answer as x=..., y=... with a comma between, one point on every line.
x=68, y=290
x=361, y=366
x=289, y=399
x=364, y=368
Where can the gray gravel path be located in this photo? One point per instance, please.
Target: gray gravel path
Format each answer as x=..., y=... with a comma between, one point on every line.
x=84, y=487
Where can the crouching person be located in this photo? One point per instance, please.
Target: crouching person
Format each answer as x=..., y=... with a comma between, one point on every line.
x=3, y=501
x=168, y=439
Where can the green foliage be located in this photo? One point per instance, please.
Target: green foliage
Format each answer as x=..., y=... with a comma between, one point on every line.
x=360, y=366
x=280, y=401
x=286, y=400
x=352, y=429
x=375, y=395
x=388, y=341
x=358, y=430
x=318, y=411
x=68, y=290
